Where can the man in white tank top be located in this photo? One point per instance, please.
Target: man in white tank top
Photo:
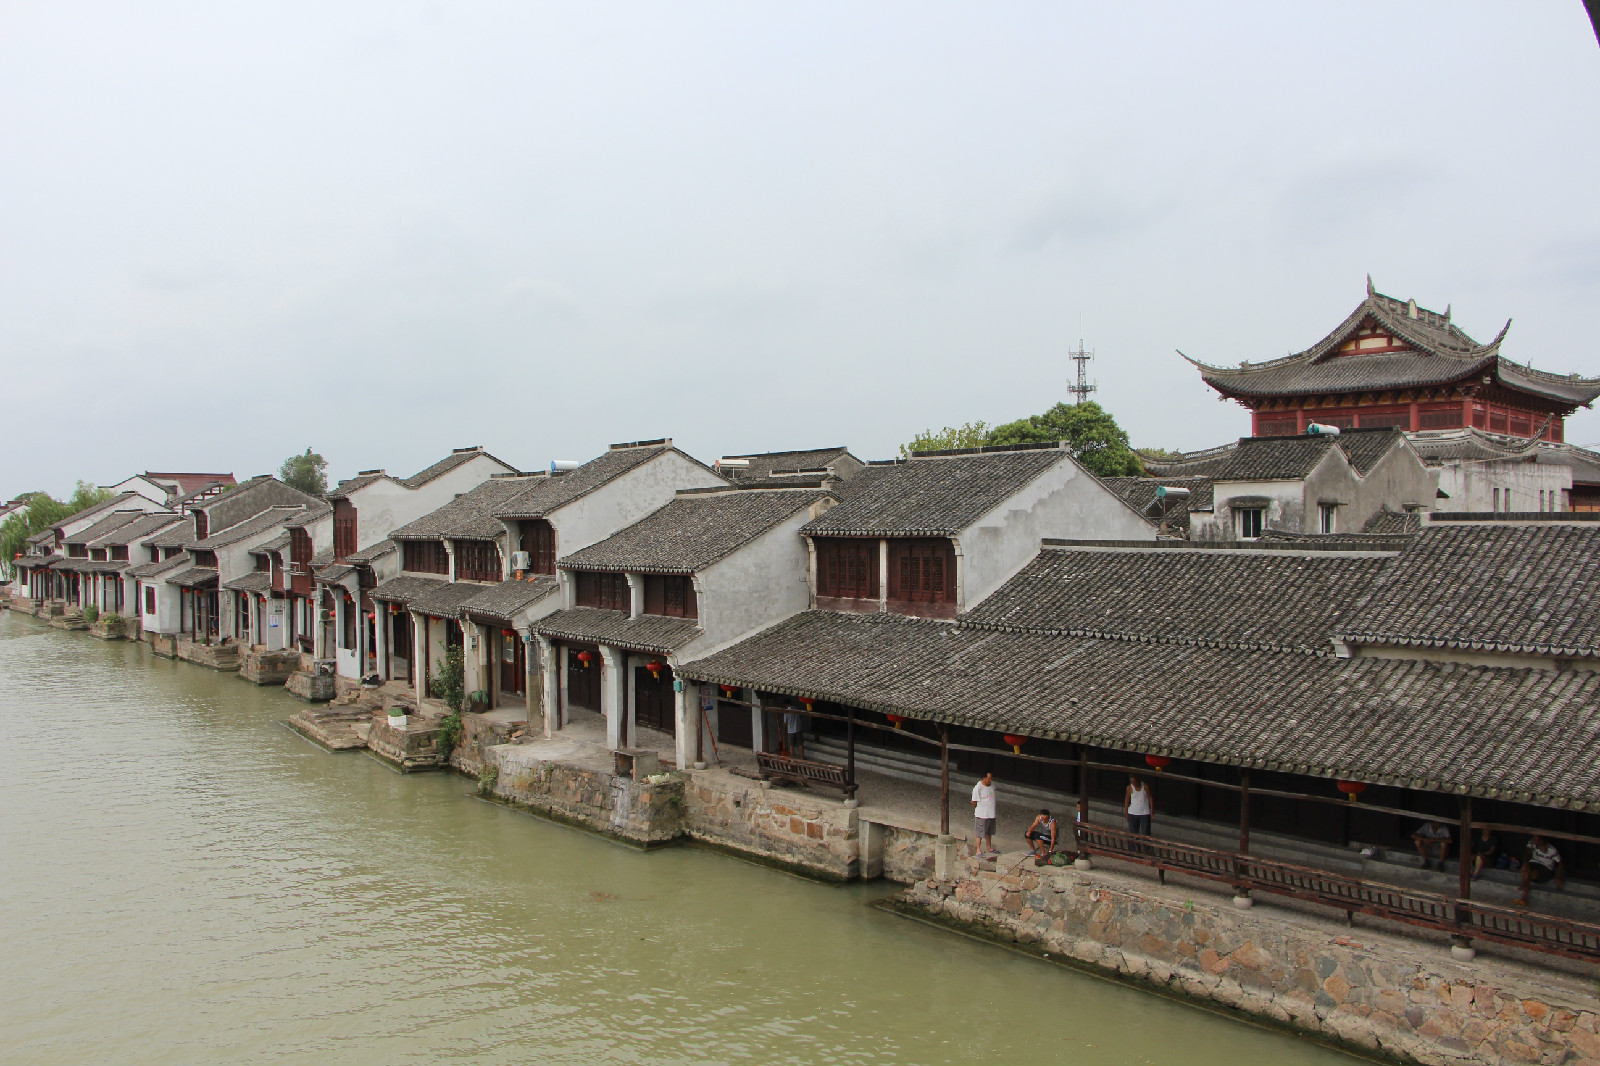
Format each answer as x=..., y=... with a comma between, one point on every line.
x=1138, y=805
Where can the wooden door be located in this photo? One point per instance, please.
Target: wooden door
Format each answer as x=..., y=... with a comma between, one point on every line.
x=653, y=701
x=733, y=725
x=583, y=682
x=513, y=665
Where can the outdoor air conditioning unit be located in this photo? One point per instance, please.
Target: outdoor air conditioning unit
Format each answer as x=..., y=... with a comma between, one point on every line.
x=521, y=561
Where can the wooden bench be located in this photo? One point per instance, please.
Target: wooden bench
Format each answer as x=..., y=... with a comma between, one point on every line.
x=804, y=772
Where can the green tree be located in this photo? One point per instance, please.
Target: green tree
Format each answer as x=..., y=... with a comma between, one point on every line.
x=1090, y=433
x=308, y=472
x=967, y=435
x=43, y=511
x=450, y=686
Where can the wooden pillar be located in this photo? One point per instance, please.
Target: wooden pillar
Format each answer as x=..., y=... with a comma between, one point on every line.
x=1464, y=884
x=1083, y=778
x=850, y=746
x=944, y=781
x=1244, y=811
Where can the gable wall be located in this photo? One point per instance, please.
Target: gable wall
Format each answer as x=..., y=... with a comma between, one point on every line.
x=623, y=501
x=1065, y=501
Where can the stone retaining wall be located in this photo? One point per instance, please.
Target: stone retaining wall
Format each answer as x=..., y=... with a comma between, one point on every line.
x=478, y=735
x=640, y=812
x=408, y=749
x=817, y=836
x=908, y=855
x=163, y=644
x=109, y=627
x=223, y=657
x=1373, y=991
x=267, y=667
x=311, y=686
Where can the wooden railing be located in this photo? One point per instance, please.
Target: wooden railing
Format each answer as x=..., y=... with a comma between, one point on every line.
x=1460, y=917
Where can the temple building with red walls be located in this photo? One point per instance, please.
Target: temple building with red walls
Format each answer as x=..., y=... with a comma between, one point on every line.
x=1394, y=364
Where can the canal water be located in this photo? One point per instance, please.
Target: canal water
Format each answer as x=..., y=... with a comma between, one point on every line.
x=184, y=880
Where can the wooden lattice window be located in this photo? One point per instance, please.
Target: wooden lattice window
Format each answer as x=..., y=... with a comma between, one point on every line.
x=344, y=529
x=847, y=568
x=671, y=595
x=477, y=560
x=922, y=571
x=1440, y=418
x=609, y=591
x=425, y=557
x=539, y=541
x=119, y=552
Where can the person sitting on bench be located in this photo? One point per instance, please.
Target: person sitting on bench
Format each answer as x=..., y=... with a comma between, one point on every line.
x=1544, y=864
x=1041, y=836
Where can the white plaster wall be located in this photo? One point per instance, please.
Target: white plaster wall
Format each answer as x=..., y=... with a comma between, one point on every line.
x=1471, y=485
x=1065, y=501
x=165, y=618
x=1285, y=507
x=623, y=501
x=384, y=506
x=761, y=584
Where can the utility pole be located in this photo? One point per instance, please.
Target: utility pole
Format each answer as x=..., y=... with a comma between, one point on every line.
x=1082, y=389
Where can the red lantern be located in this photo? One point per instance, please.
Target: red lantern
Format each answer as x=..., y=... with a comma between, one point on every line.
x=1158, y=763
x=806, y=701
x=729, y=691
x=1352, y=789
x=584, y=658
x=655, y=666
x=1016, y=741
x=508, y=632
x=895, y=719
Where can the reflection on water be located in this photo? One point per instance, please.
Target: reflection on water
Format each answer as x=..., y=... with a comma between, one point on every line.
x=185, y=880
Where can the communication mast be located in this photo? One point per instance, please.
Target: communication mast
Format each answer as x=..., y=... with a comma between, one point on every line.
x=1082, y=389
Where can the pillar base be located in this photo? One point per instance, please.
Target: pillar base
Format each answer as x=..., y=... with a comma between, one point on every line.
x=1082, y=864
x=701, y=764
x=1244, y=903
x=1462, y=950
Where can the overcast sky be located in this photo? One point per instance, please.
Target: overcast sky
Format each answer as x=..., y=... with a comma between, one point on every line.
x=230, y=231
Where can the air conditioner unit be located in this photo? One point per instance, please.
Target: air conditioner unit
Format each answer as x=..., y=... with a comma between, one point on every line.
x=521, y=561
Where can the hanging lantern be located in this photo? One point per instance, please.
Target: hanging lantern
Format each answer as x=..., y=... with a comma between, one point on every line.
x=655, y=666
x=1016, y=741
x=729, y=691
x=1351, y=789
x=895, y=719
x=1157, y=763
x=508, y=632
x=806, y=701
x=584, y=658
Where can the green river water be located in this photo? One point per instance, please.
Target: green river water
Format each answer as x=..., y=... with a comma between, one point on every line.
x=187, y=881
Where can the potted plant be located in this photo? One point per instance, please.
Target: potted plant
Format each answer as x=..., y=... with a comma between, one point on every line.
x=397, y=718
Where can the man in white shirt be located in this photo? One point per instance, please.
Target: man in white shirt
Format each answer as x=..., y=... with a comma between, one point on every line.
x=983, y=814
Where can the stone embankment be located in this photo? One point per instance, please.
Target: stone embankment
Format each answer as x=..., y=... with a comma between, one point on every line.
x=1373, y=991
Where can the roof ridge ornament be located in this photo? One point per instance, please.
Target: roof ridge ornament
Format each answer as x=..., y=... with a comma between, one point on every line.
x=1371, y=292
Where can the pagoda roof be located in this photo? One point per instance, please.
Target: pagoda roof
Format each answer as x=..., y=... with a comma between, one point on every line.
x=1439, y=353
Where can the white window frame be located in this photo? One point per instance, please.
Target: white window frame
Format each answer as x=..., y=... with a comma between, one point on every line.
x=1328, y=517
x=1244, y=521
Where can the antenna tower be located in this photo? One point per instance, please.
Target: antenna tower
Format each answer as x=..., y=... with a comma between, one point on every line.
x=1082, y=389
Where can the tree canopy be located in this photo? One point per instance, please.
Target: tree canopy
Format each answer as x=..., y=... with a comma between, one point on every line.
x=43, y=511
x=307, y=472
x=1091, y=434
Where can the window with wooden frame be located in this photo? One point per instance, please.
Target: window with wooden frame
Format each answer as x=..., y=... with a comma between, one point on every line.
x=671, y=595
x=300, y=549
x=1251, y=520
x=149, y=600
x=1440, y=418
x=205, y=558
x=262, y=562
x=347, y=626
x=344, y=529
x=202, y=525
x=1277, y=425
x=847, y=567
x=922, y=571
x=78, y=551
x=608, y=591
x=119, y=552
x=424, y=557
x=539, y=541
x=477, y=560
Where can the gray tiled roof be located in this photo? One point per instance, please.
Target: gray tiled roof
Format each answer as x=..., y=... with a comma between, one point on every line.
x=195, y=577
x=935, y=496
x=469, y=515
x=270, y=518
x=405, y=588
x=376, y=551
x=105, y=526
x=1445, y=728
x=449, y=463
x=649, y=632
x=143, y=527
x=1140, y=492
x=280, y=543
x=159, y=567
x=693, y=531
x=310, y=516
x=1489, y=587
x=1218, y=598
x=37, y=562
x=44, y=536
x=254, y=581
x=249, y=499
x=1287, y=458
x=443, y=599
x=354, y=484
x=112, y=504
x=765, y=465
x=1442, y=353
x=549, y=493
x=502, y=602
x=334, y=572
x=1393, y=523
